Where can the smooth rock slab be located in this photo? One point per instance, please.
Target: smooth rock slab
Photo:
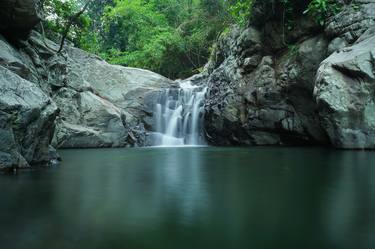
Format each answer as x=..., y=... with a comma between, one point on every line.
x=103, y=105
x=88, y=121
x=345, y=94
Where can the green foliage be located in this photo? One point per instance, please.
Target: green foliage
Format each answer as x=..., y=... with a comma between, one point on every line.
x=292, y=50
x=321, y=9
x=171, y=37
x=240, y=11
x=137, y=35
x=57, y=14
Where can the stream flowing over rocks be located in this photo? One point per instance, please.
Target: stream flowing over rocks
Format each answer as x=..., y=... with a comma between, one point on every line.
x=262, y=86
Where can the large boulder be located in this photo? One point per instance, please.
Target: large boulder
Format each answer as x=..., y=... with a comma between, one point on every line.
x=18, y=17
x=27, y=118
x=104, y=105
x=88, y=121
x=101, y=105
x=344, y=91
x=258, y=98
x=268, y=90
x=351, y=22
x=125, y=87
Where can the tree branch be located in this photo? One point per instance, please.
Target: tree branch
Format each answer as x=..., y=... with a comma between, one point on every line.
x=70, y=23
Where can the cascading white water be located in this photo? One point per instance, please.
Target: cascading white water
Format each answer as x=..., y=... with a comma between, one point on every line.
x=178, y=116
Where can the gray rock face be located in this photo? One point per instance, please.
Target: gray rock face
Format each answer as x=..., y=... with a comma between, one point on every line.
x=27, y=118
x=259, y=98
x=344, y=91
x=100, y=105
x=87, y=121
x=103, y=105
x=263, y=92
x=125, y=87
x=354, y=19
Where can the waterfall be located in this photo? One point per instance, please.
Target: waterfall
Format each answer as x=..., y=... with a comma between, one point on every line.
x=178, y=116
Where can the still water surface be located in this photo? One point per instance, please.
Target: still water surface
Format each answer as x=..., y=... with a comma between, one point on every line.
x=193, y=198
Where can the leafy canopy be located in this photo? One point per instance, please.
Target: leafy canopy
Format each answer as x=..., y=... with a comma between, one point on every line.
x=171, y=37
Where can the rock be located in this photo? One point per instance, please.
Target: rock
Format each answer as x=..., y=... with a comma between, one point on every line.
x=263, y=86
x=277, y=27
x=352, y=21
x=88, y=121
x=11, y=59
x=102, y=105
x=258, y=98
x=275, y=95
x=108, y=100
x=344, y=91
x=264, y=12
x=26, y=122
x=337, y=44
x=367, y=34
x=90, y=102
x=18, y=17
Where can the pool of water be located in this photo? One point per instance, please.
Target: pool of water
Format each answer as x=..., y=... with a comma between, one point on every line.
x=193, y=198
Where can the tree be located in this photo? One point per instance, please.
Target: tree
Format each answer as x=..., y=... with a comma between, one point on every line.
x=170, y=37
x=71, y=21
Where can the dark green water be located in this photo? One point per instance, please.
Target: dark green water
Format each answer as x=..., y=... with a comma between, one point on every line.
x=192, y=198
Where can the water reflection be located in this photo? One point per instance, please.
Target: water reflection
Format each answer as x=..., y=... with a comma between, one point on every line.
x=349, y=214
x=193, y=198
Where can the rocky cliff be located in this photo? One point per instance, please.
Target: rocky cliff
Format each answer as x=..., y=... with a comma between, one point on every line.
x=308, y=85
x=68, y=100
x=266, y=86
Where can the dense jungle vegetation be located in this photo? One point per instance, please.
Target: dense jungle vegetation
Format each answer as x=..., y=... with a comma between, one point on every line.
x=170, y=37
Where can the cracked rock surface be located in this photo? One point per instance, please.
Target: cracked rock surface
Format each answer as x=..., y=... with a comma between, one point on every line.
x=313, y=85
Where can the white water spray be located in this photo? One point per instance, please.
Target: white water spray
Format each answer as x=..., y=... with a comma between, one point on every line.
x=178, y=116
